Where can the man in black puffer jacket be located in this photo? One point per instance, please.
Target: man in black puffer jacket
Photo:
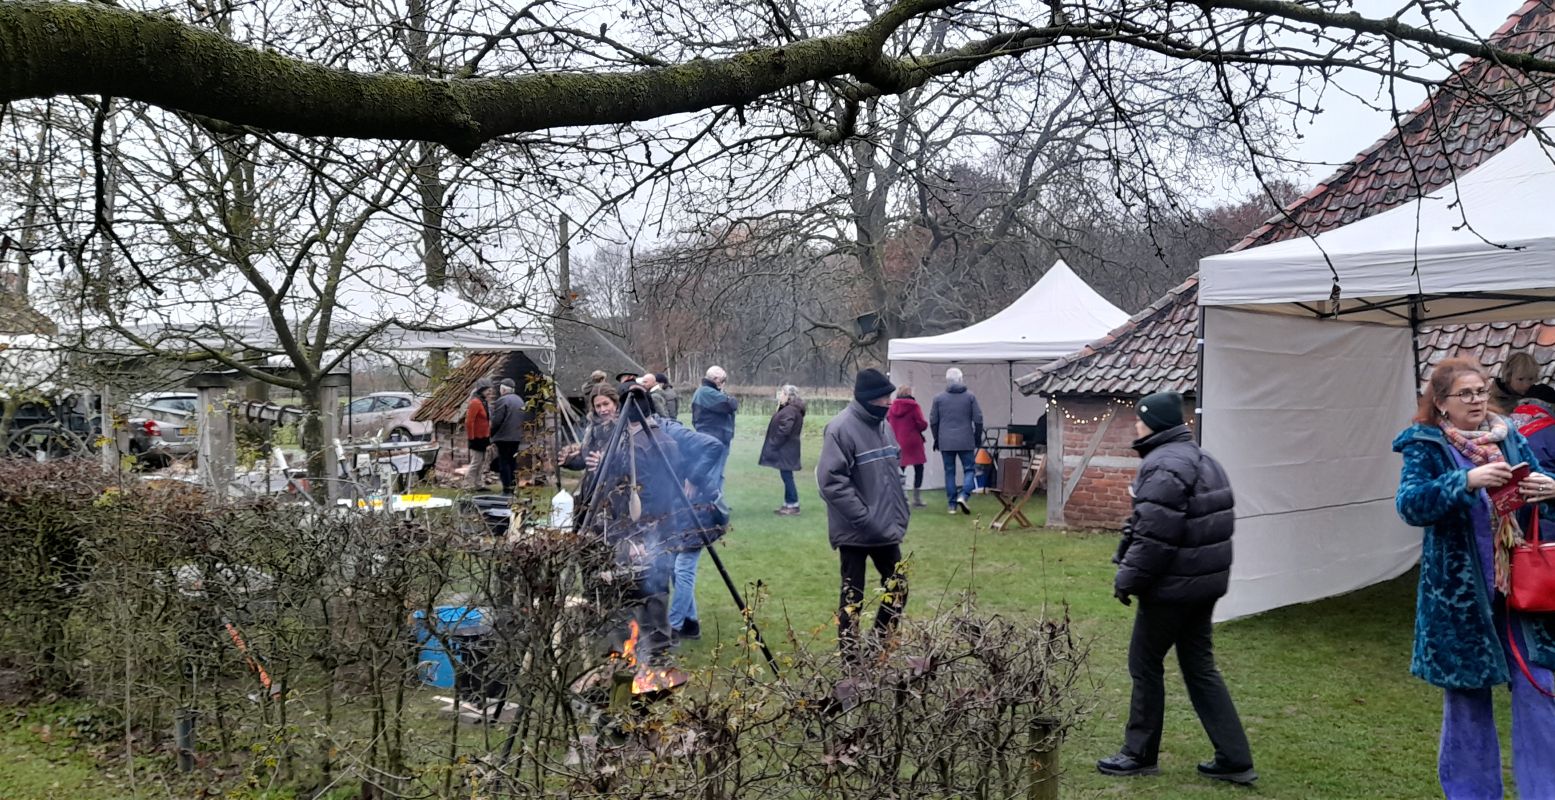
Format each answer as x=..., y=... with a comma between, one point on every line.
x=1176, y=558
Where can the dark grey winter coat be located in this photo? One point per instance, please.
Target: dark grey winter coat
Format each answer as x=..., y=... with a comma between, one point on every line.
x=956, y=420
x=781, y=449
x=666, y=402
x=1180, y=545
x=860, y=481
x=507, y=418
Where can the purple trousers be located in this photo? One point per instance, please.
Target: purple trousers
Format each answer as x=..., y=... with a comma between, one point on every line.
x=1469, y=762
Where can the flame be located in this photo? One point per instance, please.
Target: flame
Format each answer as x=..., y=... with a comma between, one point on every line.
x=646, y=679
x=629, y=647
x=657, y=680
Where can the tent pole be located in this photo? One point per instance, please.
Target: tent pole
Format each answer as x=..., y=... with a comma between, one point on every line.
x=1198, y=382
x=1414, y=338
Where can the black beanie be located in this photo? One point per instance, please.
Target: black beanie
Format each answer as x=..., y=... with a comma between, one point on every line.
x=1161, y=410
x=871, y=385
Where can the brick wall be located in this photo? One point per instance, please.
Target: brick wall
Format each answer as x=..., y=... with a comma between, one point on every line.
x=1101, y=499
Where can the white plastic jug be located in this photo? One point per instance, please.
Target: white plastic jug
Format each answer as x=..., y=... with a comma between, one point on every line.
x=561, y=510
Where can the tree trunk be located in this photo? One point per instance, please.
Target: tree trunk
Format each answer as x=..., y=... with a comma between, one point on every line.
x=314, y=437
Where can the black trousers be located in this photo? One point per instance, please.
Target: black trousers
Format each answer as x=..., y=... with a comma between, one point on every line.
x=507, y=464
x=854, y=562
x=917, y=475
x=1158, y=627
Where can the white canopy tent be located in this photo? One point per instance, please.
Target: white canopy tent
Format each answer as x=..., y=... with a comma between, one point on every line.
x=1309, y=368
x=1058, y=315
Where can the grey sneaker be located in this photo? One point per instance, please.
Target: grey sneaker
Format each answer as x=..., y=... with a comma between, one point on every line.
x=1125, y=766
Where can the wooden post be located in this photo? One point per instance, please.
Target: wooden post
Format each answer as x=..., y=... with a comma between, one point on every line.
x=216, y=445
x=1055, y=464
x=110, y=434
x=329, y=419
x=1042, y=763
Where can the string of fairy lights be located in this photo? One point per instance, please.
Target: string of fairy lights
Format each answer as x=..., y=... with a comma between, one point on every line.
x=1112, y=407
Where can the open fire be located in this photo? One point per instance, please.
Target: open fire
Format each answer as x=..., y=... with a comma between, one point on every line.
x=645, y=679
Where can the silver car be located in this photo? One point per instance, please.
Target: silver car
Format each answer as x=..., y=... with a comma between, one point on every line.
x=163, y=427
x=389, y=412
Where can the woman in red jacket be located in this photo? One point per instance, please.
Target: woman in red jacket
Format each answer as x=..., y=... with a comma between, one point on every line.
x=477, y=431
x=908, y=423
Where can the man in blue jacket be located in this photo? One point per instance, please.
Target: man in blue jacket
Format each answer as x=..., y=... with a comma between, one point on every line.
x=712, y=412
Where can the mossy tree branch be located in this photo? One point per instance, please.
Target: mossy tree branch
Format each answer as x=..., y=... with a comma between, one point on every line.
x=50, y=48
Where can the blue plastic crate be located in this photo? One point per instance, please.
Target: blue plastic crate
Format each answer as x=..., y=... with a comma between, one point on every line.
x=433, y=661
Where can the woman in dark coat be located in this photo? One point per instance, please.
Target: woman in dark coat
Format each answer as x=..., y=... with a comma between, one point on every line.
x=908, y=423
x=1466, y=639
x=780, y=451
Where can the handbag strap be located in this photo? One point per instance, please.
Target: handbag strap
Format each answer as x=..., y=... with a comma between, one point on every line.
x=1522, y=664
x=1533, y=527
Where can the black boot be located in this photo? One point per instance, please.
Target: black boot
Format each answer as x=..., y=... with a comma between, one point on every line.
x=1214, y=770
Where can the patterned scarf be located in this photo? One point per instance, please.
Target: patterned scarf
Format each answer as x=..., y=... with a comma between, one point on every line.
x=1481, y=447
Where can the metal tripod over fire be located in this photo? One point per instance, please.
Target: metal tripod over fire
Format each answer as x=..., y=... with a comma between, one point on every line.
x=592, y=500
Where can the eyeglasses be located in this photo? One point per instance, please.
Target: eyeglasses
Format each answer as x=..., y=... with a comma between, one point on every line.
x=1472, y=395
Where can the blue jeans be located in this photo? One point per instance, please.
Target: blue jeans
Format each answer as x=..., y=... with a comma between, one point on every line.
x=723, y=464
x=967, y=467
x=790, y=491
x=1469, y=762
x=683, y=600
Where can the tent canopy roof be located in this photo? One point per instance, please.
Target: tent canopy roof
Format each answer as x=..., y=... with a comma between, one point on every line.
x=1059, y=314
x=1479, y=249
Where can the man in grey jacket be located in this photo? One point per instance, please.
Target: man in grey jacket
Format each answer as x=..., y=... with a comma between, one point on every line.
x=507, y=432
x=866, y=510
x=956, y=421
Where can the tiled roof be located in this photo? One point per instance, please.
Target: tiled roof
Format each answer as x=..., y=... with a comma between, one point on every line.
x=1149, y=350
x=448, y=400
x=1468, y=118
x=1489, y=343
x=580, y=349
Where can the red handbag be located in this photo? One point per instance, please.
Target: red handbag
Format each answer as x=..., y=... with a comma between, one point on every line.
x=1533, y=589
x=1533, y=573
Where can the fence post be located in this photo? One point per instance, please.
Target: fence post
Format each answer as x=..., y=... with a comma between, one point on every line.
x=183, y=738
x=216, y=442
x=1042, y=761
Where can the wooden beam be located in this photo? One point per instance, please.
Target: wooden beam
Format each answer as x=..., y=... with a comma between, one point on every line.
x=1090, y=452
x=1055, y=464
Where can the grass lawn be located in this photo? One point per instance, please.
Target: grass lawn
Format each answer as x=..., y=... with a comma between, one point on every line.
x=1324, y=689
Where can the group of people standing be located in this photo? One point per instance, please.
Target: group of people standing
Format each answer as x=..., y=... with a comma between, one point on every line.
x=494, y=422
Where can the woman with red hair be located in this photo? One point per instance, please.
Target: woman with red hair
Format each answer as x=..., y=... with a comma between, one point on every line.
x=1466, y=639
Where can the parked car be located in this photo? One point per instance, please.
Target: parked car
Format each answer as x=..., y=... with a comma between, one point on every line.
x=163, y=427
x=389, y=412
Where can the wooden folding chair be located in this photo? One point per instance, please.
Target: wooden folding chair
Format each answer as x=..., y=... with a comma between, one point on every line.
x=1018, y=481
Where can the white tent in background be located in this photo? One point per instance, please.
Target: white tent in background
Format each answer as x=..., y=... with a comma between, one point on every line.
x=1058, y=315
x=1309, y=368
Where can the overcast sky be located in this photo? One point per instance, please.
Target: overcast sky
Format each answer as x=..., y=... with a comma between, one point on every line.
x=1347, y=125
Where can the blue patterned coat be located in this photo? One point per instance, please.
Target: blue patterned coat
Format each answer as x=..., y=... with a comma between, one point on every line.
x=1456, y=646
